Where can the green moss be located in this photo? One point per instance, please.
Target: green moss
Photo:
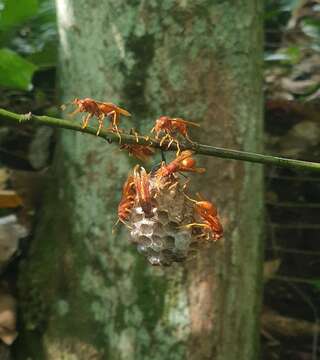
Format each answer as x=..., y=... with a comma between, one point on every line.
x=150, y=294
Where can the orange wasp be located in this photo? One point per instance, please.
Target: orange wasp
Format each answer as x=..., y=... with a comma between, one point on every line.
x=141, y=182
x=183, y=163
x=140, y=152
x=100, y=110
x=127, y=200
x=170, y=127
x=209, y=214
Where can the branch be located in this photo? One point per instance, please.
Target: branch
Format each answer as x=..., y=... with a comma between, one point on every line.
x=196, y=147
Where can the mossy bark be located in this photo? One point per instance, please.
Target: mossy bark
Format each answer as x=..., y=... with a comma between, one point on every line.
x=86, y=293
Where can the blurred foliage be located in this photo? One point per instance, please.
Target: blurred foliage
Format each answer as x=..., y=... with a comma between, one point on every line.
x=292, y=27
x=292, y=49
x=27, y=41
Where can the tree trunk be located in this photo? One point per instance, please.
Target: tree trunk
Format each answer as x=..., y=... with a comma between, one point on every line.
x=86, y=293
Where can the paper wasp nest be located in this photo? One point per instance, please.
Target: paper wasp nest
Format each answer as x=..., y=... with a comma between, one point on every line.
x=161, y=238
x=165, y=223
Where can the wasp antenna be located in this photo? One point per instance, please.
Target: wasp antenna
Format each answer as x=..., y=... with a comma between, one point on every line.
x=64, y=106
x=186, y=122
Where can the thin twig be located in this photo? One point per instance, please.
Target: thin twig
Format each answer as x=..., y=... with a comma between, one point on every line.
x=143, y=140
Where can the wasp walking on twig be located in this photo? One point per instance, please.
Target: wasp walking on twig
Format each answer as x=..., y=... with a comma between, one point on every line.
x=171, y=127
x=101, y=110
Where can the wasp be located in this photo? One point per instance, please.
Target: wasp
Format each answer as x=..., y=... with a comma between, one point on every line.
x=171, y=127
x=142, y=185
x=208, y=212
x=127, y=200
x=140, y=152
x=165, y=175
x=182, y=163
x=100, y=110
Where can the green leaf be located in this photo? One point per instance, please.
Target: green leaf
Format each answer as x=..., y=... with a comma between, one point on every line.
x=290, y=55
x=45, y=58
x=311, y=27
x=15, y=71
x=16, y=12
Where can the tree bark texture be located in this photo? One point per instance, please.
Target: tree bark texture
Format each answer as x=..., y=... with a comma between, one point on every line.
x=86, y=293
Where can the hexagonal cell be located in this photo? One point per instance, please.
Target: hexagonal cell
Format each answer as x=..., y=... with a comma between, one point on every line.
x=136, y=217
x=157, y=243
x=144, y=240
x=163, y=217
x=146, y=228
x=169, y=242
x=158, y=229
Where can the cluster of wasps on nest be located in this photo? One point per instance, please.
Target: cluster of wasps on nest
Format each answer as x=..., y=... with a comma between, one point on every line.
x=166, y=224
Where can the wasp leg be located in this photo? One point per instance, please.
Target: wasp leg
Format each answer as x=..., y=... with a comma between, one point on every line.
x=136, y=136
x=170, y=142
x=203, y=236
x=173, y=185
x=178, y=148
x=184, y=187
x=86, y=120
x=123, y=222
x=195, y=224
x=100, y=120
x=164, y=138
x=115, y=123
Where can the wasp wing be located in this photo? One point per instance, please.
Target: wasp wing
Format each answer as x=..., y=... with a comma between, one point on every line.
x=185, y=122
x=115, y=107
